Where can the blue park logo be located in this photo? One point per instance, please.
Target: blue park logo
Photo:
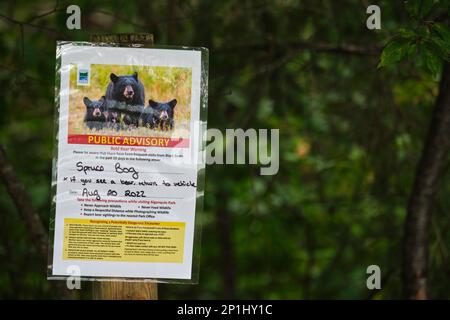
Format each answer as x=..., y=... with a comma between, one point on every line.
x=83, y=77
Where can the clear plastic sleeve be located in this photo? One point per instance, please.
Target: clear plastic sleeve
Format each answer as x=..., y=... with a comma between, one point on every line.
x=128, y=165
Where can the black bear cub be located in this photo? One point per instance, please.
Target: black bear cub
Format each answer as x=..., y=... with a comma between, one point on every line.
x=96, y=113
x=128, y=89
x=159, y=115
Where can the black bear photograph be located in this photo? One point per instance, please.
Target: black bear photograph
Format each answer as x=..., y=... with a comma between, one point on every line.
x=122, y=108
x=96, y=113
x=128, y=89
x=159, y=115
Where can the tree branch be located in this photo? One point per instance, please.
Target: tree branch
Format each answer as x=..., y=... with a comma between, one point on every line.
x=23, y=203
x=28, y=24
x=350, y=49
x=426, y=184
x=32, y=220
x=45, y=14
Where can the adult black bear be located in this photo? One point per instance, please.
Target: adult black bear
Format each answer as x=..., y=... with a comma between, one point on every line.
x=128, y=89
x=96, y=113
x=159, y=115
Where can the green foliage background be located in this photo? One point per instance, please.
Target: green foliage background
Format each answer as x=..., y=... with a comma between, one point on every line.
x=351, y=136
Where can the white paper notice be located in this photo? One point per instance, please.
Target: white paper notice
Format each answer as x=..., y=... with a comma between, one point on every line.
x=127, y=161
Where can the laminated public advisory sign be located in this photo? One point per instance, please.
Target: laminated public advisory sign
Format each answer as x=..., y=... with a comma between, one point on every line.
x=128, y=170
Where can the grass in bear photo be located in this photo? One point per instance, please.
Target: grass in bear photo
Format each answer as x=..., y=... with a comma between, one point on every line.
x=161, y=84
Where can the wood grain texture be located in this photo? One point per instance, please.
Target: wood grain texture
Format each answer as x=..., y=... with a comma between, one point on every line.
x=119, y=290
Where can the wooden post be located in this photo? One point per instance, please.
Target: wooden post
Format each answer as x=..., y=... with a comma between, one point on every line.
x=116, y=289
x=124, y=290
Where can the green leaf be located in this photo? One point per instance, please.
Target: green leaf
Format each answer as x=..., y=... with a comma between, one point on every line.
x=430, y=60
x=406, y=33
x=443, y=30
x=437, y=47
x=440, y=35
x=396, y=50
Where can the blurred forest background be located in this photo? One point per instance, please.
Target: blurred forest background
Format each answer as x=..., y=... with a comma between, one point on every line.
x=360, y=171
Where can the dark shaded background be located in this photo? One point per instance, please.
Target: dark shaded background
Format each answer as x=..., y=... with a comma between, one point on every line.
x=351, y=136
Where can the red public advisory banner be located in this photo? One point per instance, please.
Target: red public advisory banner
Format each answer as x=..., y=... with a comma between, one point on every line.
x=128, y=141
